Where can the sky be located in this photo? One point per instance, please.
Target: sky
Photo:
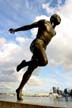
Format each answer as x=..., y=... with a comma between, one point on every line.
x=15, y=47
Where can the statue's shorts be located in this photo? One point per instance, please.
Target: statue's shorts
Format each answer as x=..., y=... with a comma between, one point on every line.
x=36, y=45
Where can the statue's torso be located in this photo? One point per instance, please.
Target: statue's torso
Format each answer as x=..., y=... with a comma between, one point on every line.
x=45, y=31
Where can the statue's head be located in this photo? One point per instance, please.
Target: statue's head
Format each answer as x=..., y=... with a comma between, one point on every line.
x=55, y=18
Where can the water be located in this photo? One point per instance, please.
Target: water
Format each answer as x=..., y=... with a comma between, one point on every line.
x=65, y=102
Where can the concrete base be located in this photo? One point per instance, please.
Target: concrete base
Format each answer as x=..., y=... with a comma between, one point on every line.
x=5, y=104
x=8, y=101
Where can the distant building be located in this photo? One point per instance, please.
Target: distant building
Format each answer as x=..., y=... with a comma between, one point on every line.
x=54, y=90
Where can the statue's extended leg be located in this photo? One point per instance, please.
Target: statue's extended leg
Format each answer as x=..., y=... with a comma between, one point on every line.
x=25, y=78
x=22, y=65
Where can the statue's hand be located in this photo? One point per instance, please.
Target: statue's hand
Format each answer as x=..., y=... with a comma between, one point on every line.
x=11, y=30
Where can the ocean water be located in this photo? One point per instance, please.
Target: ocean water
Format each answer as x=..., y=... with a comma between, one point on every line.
x=40, y=100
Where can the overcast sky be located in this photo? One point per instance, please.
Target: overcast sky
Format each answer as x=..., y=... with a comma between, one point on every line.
x=15, y=47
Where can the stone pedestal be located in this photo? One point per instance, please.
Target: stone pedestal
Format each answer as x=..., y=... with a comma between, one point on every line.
x=5, y=104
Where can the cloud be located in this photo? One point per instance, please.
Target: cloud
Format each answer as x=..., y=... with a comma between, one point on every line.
x=11, y=53
x=60, y=50
x=2, y=41
x=48, y=9
x=35, y=81
x=66, y=9
x=8, y=49
x=8, y=87
x=52, y=9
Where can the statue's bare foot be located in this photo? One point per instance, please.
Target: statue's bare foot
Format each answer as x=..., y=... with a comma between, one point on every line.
x=21, y=65
x=19, y=95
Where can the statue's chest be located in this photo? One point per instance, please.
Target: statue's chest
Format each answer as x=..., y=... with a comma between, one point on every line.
x=49, y=29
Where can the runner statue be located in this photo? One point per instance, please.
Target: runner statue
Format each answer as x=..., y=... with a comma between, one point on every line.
x=46, y=31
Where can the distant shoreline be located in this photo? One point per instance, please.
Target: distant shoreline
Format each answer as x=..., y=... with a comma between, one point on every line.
x=35, y=95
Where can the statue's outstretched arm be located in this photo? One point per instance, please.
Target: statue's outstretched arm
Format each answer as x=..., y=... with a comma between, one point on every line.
x=23, y=28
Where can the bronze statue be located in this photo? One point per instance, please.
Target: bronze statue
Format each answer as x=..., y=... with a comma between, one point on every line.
x=46, y=31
